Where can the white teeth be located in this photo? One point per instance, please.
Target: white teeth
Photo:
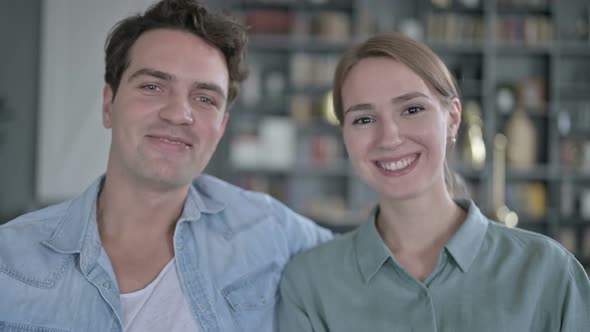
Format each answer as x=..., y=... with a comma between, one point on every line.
x=397, y=165
x=171, y=142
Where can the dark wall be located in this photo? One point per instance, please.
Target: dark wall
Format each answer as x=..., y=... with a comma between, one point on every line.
x=19, y=76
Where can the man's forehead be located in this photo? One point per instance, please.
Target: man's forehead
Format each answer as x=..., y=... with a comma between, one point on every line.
x=182, y=55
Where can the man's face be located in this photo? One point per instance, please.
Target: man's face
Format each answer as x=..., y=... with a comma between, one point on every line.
x=169, y=111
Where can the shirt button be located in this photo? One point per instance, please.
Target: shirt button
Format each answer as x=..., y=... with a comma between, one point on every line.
x=180, y=246
x=201, y=307
x=106, y=285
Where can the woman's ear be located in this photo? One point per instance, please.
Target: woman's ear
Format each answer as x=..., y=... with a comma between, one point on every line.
x=454, y=117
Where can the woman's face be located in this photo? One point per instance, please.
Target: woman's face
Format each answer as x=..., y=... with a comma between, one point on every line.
x=395, y=129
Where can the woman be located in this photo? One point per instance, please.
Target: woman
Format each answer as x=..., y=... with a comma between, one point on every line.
x=424, y=261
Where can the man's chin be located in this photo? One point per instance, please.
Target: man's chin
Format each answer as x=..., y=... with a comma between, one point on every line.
x=169, y=183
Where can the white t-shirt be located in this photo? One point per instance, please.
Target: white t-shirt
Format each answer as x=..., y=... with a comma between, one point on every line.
x=160, y=306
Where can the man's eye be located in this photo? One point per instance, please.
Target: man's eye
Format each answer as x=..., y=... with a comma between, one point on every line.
x=363, y=120
x=150, y=87
x=204, y=99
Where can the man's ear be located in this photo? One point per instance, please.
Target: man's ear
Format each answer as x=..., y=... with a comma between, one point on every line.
x=223, y=124
x=454, y=117
x=107, y=106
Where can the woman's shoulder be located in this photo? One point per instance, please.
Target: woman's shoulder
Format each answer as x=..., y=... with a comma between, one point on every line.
x=519, y=240
x=499, y=237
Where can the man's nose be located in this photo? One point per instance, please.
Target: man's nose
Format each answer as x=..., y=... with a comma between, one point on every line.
x=177, y=110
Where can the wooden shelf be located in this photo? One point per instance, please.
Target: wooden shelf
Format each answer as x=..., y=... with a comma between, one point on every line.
x=523, y=10
x=337, y=170
x=475, y=47
x=262, y=109
x=537, y=173
x=574, y=222
x=457, y=8
x=295, y=5
x=574, y=48
x=278, y=43
x=568, y=174
x=522, y=48
x=311, y=90
x=574, y=91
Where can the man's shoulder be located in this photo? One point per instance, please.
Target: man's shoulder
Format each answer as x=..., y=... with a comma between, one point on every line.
x=35, y=223
x=244, y=209
x=236, y=199
x=328, y=256
x=220, y=190
x=22, y=254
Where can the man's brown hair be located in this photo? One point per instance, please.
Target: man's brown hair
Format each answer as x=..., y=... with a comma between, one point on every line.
x=191, y=16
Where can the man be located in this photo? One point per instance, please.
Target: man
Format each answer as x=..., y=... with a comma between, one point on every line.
x=146, y=248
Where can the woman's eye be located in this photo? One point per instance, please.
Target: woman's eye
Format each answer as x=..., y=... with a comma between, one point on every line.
x=363, y=120
x=413, y=110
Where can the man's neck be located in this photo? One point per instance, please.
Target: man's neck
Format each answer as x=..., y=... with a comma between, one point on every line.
x=124, y=209
x=136, y=227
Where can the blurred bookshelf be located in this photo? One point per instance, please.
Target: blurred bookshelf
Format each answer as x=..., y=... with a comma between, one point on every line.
x=522, y=67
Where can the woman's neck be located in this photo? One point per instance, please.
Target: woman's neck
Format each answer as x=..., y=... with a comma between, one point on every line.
x=419, y=224
x=416, y=230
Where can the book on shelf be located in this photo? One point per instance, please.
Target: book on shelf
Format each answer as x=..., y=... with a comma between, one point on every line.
x=530, y=4
x=312, y=69
x=530, y=30
x=269, y=21
x=272, y=146
x=451, y=28
x=522, y=140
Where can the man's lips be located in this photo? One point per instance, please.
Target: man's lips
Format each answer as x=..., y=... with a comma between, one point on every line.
x=170, y=139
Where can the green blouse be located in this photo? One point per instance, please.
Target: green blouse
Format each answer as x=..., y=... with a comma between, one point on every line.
x=488, y=278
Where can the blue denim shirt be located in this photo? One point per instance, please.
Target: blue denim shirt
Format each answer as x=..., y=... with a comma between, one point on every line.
x=230, y=246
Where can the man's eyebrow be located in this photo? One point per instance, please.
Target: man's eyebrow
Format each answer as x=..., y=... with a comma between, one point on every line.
x=211, y=87
x=409, y=96
x=152, y=72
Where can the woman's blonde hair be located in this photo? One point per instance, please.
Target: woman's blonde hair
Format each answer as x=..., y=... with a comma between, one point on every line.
x=411, y=53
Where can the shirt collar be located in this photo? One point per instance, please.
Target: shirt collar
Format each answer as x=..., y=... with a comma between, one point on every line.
x=371, y=251
x=464, y=246
x=78, y=231
x=78, y=228
x=199, y=201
